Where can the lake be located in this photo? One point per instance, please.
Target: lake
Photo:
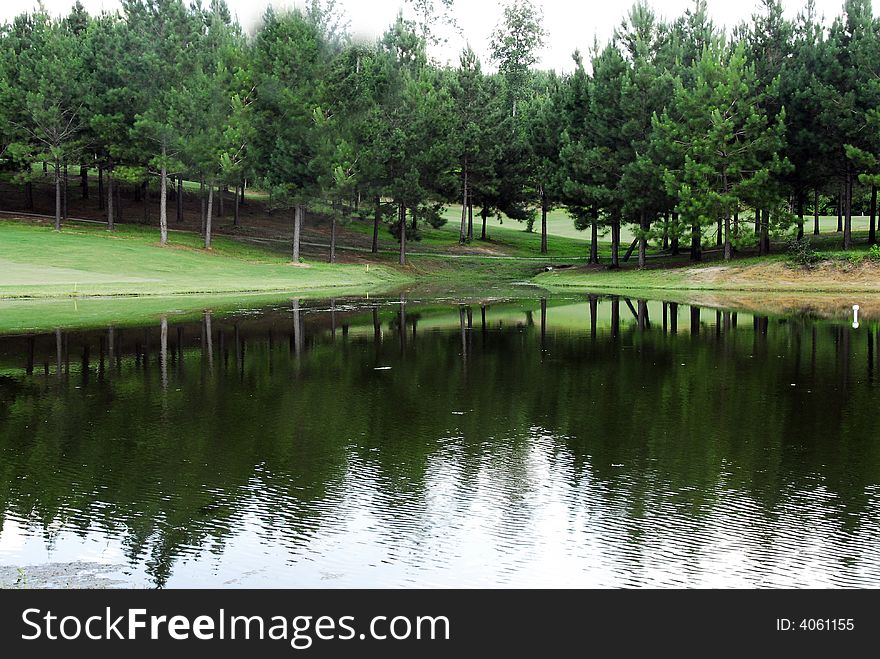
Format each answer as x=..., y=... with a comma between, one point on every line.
x=587, y=441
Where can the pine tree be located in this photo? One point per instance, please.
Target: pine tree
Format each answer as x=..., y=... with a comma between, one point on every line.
x=728, y=144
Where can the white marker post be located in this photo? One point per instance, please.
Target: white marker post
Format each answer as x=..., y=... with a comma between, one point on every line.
x=855, y=316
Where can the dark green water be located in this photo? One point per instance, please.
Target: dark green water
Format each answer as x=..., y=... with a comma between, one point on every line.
x=371, y=443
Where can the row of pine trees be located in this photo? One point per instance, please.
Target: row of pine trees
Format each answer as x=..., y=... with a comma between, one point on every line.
x=690, y=134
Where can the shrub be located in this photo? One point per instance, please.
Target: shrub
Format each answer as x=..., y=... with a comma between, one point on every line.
x=801, y=253
x=874, y=253
x=855, y=258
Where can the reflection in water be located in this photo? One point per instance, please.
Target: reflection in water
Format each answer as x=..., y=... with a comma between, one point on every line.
x=590, y=442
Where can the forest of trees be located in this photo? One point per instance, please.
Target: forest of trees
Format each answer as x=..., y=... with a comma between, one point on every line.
x=691, y=134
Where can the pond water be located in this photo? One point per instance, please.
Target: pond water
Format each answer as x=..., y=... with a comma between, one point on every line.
x=576, y=441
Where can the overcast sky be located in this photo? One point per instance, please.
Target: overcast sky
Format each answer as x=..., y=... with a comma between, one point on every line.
x=571, y=24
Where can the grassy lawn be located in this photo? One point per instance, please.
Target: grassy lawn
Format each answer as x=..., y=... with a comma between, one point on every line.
x=561, y=225
x=88, y=260
x=511, y=239
x=566, y=242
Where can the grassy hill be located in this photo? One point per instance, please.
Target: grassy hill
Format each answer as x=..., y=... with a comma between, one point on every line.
x=85, y=260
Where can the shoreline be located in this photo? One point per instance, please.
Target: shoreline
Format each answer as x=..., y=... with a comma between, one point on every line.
x=770, y=274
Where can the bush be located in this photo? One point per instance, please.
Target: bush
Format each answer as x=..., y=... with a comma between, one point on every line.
x=874, y=253
x=855, y=258
x=801, y=253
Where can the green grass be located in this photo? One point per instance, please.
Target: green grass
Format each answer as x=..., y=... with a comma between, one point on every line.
x=561, y=225
x=511, y=239
x=564, y=241
x=89, y=261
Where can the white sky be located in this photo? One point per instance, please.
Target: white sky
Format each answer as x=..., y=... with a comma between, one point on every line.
x=571, y=24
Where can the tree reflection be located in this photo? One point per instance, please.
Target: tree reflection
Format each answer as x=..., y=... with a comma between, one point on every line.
x=644, y=420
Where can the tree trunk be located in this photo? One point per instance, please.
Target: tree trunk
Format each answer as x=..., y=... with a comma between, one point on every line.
x=696, y=247
x=145, y=196
x=414, y=224
x=100, y=188
x=64, y=186
x=728, y=244
x=377, y=217
x=666, y=231
x=816, y=212
x=333, y=235
x=29, y=195
x=631, y=249
x=298, y=213
x=118, y=192
x=484, y=216
x=163, y=202
x=202, y=198
x=401, y=222
x=57, y=197
x=110, y=192
x=543, y=220
x=847, y=222
x=759, y=219
x=763, y=225
x=736, y=222
x=462, y=234
x=84, y=180
x=208, y=214
x=243, y=186
x=643, y=239
x=800, y=214
x=236, y=209
x=840, y=195
x=674, y=246
x=179, y=199
x=594, y=238
x=470, y=218
x=615, y=240
x=220, y=196
x=719, y=233
x=872, y=226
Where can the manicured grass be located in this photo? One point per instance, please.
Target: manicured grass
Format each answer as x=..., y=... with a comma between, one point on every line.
x=509, y=240
x=561, y=225
x=511, y=237
x=88, y=260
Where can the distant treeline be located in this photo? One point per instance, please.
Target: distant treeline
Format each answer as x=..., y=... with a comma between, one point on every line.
x=691, y=134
